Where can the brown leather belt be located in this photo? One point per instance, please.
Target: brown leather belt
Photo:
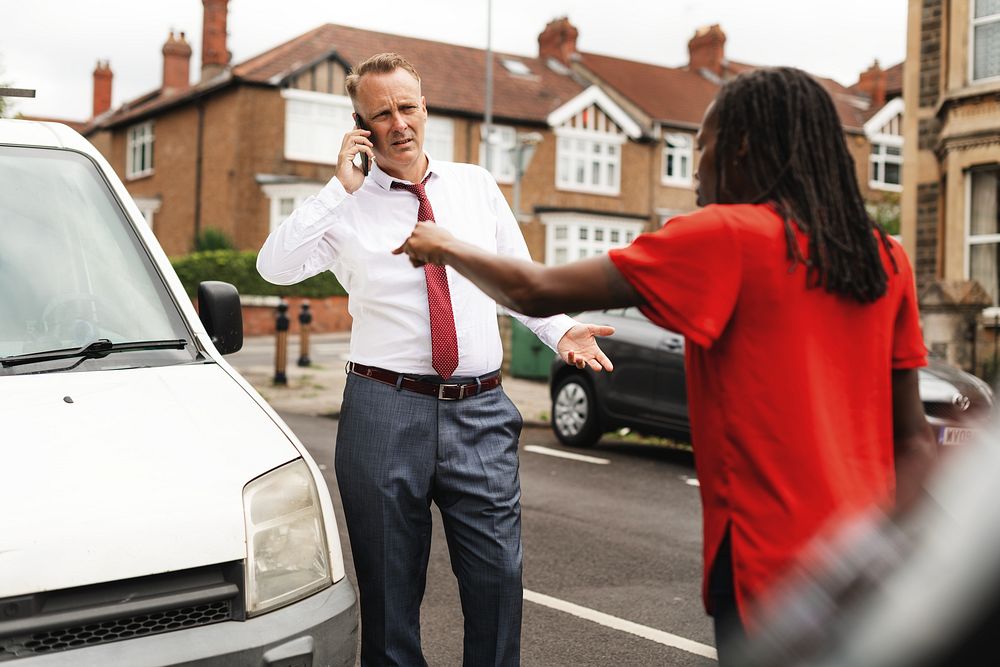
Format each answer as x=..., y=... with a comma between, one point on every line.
x=443, y=391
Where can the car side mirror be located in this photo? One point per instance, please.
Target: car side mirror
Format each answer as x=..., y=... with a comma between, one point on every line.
x=220, y=312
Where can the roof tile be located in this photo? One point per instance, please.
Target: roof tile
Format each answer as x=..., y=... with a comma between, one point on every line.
x=681, y=95
x=664, y=93
x=453, y=77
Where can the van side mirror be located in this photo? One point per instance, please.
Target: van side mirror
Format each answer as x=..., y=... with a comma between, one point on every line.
x=220, y=312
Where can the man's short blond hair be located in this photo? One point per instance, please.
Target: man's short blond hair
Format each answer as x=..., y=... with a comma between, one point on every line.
x=380, y=63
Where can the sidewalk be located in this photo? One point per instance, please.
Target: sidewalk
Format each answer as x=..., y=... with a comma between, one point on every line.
x=317, y=389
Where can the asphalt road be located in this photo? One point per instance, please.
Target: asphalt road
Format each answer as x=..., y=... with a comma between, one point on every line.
x=619, y=542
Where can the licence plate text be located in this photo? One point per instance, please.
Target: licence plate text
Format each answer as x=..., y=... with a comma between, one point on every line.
x=953, y=435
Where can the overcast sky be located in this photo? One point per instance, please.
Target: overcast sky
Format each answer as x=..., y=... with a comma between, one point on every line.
x=53, y=45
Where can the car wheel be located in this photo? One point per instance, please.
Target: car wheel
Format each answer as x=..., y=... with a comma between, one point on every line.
x=574, y=413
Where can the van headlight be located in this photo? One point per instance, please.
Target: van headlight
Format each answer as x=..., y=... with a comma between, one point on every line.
x=287, y=556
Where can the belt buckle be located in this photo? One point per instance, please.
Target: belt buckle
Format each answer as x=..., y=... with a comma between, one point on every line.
x=442, y=397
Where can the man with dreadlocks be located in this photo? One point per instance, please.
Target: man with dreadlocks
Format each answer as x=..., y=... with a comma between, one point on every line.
x=784, y=288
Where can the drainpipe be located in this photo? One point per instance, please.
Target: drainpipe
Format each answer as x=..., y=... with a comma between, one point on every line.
x=199, y=152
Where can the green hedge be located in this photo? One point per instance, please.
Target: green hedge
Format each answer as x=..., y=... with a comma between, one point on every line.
x=240, y=269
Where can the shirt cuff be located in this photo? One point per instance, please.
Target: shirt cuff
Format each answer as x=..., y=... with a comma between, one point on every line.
x=332, y=194
x=555, y=328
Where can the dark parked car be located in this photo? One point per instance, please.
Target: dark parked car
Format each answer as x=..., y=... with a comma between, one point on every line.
x=646, y=391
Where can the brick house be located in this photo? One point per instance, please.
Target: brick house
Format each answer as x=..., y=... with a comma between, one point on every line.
x=613, y=139
x=883, y=128
x=953, y=119
x=951, y=169
x=668, y=105
x=239, y=149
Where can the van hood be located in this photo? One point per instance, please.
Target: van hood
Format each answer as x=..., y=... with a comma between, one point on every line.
x=107, y=475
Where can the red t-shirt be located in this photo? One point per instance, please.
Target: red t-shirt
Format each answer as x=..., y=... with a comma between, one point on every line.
x=789, y=387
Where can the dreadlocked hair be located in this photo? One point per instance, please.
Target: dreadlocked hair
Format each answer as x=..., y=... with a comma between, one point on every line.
x=795, y=156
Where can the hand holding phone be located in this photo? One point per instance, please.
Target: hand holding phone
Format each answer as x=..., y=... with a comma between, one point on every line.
x=364, y=156
x=357, y=141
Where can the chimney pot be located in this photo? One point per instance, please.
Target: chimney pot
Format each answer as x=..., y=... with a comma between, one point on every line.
x=102, y=88
x=558, y=40
x=176, y=63
x=873, y=83
x=707, y=50
x=215, y=56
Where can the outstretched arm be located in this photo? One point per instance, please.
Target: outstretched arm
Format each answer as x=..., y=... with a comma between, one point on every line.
x=527, y=287
x=915, y=448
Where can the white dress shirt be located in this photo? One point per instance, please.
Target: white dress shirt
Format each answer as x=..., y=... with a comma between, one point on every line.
x=354, y=235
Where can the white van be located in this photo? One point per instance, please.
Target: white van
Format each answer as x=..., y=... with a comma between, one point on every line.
x=154, y=510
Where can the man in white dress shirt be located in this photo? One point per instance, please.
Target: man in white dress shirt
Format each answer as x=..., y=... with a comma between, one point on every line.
x=423, y=418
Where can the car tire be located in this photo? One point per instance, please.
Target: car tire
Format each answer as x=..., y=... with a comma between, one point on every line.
x=574, y=413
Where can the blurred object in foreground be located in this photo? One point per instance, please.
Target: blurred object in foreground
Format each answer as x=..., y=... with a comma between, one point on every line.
x=920, y=592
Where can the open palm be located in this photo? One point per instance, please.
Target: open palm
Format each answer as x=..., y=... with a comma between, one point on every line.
x=578, y=347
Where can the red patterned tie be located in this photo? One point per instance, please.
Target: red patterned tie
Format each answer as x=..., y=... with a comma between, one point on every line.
x=444, y=339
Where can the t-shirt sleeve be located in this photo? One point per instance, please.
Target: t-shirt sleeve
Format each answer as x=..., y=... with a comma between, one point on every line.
x=688, y=272
x=908, y=349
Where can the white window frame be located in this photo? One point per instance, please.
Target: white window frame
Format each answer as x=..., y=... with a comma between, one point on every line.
x=879, y=137
x=149, y=207
x=315, y=125
x=563, y=232
x=275, y=192
x=567, y=162
x=439, y=138
x=973, y=24
x=881, y=158
x=139, y=150
x=682, y=155
x=970, y=238
x=501, y=145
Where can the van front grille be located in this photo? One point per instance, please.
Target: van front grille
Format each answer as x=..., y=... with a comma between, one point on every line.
x=110, y=631
x=92, y=615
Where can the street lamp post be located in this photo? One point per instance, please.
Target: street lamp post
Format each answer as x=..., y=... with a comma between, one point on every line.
x=485, y=132
x=521, y=153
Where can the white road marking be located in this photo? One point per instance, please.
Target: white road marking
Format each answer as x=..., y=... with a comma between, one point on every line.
x=566, y=455
x=691, y=481
x=615, y=623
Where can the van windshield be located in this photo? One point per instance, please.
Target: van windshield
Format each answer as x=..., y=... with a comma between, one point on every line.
x=73, y=271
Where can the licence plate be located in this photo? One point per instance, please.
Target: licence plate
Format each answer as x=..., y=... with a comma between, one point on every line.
x=953, y=435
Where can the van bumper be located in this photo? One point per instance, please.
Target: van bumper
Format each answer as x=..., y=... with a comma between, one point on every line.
x=319, y=631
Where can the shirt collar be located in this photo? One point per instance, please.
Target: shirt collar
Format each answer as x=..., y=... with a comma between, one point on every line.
x=384, y=180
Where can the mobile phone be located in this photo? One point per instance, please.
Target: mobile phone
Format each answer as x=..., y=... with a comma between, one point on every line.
x=364, y=156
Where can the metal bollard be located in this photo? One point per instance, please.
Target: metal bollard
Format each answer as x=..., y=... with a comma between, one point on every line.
x=281, y=344
x=305, y=320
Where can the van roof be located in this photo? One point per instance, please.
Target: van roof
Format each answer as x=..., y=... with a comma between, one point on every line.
x=36, y=133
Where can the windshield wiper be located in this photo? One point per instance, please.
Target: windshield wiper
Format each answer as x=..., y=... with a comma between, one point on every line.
x=96, y=350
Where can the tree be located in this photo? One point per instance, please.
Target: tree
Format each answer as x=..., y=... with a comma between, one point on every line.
x=886, y=212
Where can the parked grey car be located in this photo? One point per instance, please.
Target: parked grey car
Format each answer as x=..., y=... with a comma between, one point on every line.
x=646, y=392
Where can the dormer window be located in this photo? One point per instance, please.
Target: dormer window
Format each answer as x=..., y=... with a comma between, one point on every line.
x=591, y=132
x=588, y=161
